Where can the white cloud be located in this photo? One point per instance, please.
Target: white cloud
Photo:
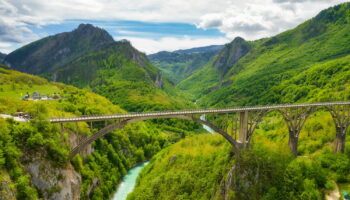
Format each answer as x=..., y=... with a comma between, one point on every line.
x=5, y=44
x=256, y=19
x=171, y=43
x=251, y=19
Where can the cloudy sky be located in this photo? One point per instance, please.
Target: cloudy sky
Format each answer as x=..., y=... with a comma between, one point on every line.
x=155, y=25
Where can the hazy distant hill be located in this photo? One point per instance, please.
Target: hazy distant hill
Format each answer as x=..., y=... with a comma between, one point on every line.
x=2, y=57
x=312, y=58
x=179, y=64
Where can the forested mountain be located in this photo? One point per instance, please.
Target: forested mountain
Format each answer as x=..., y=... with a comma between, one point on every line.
x=310, y=63
x=34, y=156
x=54, y=52
x=88, y=57
x=268, y=71
x=178, y=65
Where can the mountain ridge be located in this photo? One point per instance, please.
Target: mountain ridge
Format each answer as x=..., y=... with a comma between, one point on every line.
x=61, y=48
x=178, y=65
x=90, y=58
x=273, y=60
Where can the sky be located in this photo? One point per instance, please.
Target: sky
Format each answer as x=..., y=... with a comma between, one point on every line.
x=155, y=25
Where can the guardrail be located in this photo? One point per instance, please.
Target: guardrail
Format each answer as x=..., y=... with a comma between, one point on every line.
x=188, y=112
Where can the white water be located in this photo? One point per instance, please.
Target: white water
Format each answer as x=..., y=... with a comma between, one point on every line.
x=210, y=130
x=128, y=183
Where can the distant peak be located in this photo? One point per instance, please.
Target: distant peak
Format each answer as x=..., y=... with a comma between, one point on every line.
x=86, y=26
x=238, y=39
x=88, y=30
x=125, y=41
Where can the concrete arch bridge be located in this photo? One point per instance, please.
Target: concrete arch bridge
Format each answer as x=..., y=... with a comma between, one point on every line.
x=241, y=120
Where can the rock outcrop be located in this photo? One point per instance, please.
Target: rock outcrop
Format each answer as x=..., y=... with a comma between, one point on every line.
x=159, y=81
x=230, y=54
x=54, y=183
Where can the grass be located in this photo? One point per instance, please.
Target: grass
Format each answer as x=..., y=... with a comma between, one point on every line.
x=18, y=91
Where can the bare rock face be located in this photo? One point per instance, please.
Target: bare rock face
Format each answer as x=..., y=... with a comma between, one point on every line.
x=57, y=183
x=54, y=183
x=230, y=54
x=132, y=54
x=74, y=139
x=159, y=81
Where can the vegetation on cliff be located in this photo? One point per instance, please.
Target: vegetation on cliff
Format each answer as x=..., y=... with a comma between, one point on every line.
x=268, y=73
x=106, y=163
x=307, y=64
x=180, y=64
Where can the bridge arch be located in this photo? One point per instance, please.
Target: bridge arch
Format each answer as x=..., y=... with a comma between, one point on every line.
x=119, y=125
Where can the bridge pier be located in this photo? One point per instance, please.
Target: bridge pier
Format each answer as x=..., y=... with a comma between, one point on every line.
x=339, y=141
x=61, y=127
x=293, y=141
x=76, y=128
x=341, y=118
x=295, y=119
x=243, y=129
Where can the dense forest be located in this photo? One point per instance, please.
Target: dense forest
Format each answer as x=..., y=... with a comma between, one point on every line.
x=307, y=64
x=260, y=77
x=41, y=144
x=310, y=63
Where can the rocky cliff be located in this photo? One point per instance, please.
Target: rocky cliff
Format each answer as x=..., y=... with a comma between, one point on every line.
x=230, y=54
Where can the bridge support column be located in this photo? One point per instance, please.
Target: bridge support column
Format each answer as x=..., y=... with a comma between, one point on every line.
x=341, y=118
x=293, y=141
x=295, y=119
x=76, y=128
x=61, y=128
x=243, y=130
x=339, y=141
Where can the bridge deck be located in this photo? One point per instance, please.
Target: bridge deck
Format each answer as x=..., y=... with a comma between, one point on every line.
x=188, y=112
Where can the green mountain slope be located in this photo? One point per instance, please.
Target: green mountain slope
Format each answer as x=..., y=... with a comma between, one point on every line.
x=178, y=65
x=88, y=57
x=27, y=147
x=123, y=75
x=210, y=76
x=189, y=169
x=310, y=63
x=271, y=62
x=203, y=166
x=54, y=52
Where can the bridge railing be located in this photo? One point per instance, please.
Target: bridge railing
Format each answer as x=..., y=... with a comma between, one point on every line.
x=192, y=111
